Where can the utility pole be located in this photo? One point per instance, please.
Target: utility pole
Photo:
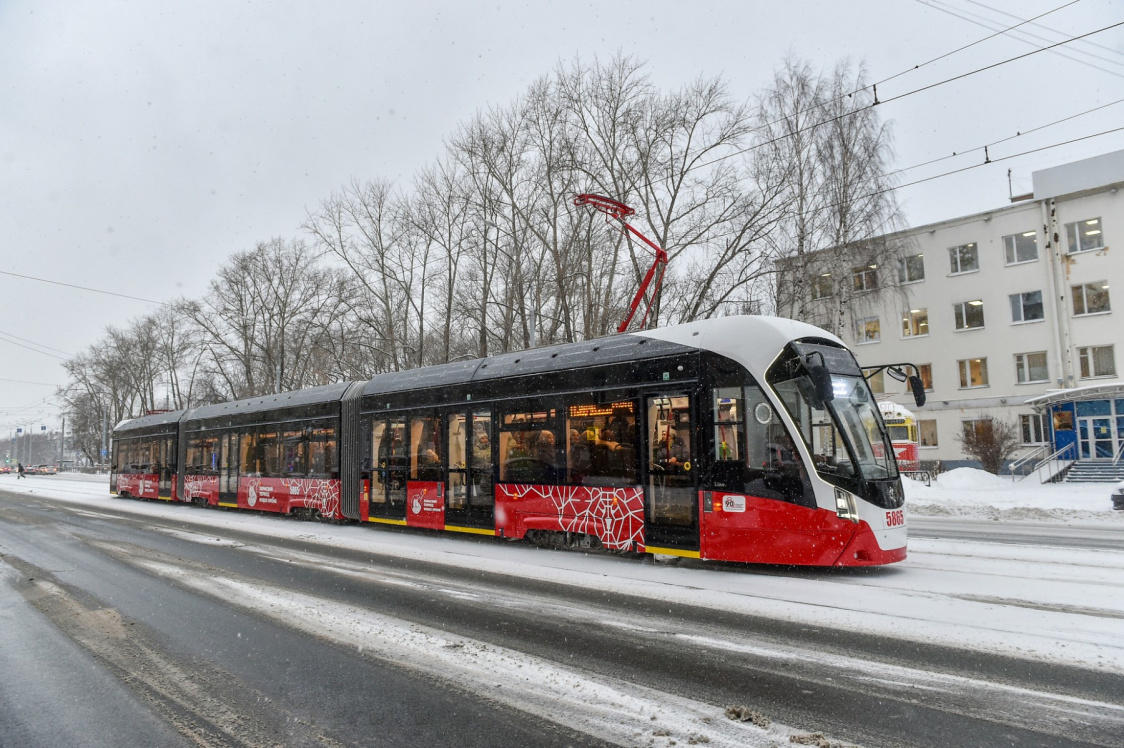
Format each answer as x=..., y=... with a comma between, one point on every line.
x=62, y=442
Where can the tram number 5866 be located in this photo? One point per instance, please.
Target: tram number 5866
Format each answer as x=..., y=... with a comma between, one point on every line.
x=896, y=518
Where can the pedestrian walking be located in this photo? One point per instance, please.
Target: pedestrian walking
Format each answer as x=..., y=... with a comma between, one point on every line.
x=19, y=473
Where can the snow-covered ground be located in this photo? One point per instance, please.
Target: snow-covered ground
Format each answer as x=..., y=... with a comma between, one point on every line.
x=1052, y=604
x=971, y=493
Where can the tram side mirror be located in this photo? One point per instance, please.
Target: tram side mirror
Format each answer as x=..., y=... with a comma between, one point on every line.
x=918, y=388
x=821, y=380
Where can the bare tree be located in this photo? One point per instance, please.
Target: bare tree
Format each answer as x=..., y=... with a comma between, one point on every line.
x=990, y=441
x=820, y=136
x=260, y=320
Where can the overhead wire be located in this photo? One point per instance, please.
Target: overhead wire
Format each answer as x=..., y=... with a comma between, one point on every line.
x=82, y=288
x=33, y=342
x=972, y=44
x=1033, y=38
x=1041, y=26
x=877, y=102
x=28, y=381
x=962, y=169
x=25, y=346
x=916, y=67
x=1020, y=133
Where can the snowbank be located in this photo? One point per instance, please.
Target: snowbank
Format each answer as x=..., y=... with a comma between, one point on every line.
x=968, y=492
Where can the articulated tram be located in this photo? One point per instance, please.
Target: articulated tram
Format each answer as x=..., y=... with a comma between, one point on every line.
x=745, y=439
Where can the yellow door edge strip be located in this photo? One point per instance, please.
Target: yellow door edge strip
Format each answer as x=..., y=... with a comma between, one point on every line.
x=671, y=552
x=385, y=521
x=473, y=530
x=228, y=505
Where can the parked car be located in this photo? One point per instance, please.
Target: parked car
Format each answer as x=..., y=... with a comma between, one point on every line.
x=1118, y=496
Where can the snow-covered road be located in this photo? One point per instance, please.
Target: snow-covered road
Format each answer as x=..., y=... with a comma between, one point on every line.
x=1062, y=605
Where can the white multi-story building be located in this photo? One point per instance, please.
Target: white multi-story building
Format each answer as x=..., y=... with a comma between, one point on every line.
x=1002, y=307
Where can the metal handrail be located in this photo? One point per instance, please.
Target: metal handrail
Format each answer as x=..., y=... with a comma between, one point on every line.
x=1031, y=455
x=1057, y=455
x=1119, y=454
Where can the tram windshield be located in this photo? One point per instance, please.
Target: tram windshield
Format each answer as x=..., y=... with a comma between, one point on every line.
x=845, y=435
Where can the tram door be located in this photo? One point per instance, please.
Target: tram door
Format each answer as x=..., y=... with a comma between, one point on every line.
x=167, y=467
x=387, y=499
x=228, y=468
x=469, y=497
x=672, y=503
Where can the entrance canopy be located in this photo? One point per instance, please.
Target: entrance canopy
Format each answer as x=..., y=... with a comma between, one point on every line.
x=1109, y=391
x=1086, y=421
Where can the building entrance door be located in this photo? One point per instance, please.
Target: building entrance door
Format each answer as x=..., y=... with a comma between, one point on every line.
x=1096, y=438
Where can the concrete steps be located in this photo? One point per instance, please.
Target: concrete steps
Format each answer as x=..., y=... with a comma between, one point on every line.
x=1095, y=471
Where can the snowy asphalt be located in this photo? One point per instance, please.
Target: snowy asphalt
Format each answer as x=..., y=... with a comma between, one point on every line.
x=224, y=636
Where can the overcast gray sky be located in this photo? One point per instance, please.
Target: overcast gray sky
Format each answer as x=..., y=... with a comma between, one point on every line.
x=141, y=143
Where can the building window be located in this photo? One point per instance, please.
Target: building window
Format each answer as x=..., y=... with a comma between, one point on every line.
x=1021, y=247
x=1084, y=235
x=1033, y=427
x=915, y=322
x=925, y=371
x=1097, y=361
x=877, y=382
x=867, y=330
x=969, y=314
x=821, y=286
x=977, y=427
x=928, y=432
x=911, y=269
x=865, y=278
x=1026, y=307
x=1090, y=298
x=964, y=259
x=973, y=372
x=1031, y=367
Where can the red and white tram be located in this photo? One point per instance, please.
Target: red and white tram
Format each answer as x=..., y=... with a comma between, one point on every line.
x=901, y=423
x=747, y=439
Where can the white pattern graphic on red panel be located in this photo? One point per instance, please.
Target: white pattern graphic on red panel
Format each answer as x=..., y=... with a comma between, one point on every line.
x=199, y=486
x=321, y=494
x=619, y=512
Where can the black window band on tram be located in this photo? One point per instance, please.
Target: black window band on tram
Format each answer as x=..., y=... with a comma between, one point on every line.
x=838, y=360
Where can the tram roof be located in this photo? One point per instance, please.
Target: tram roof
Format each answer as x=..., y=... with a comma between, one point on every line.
x=311, y=396
x=155, y=419
x=597, y=352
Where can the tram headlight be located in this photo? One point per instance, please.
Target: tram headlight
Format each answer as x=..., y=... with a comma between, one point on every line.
x=845, y=505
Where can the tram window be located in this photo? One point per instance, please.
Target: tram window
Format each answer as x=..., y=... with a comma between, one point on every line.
x=816, y=429
x=482, y=441
x=601, y=443
x=669, y=448
x=773, y=467
x=202, y=454
x=247, y=448
x=380, y=447
x=294, y=452
x=211, y=455
x=195, y=454
x=322, y=451
x=481, y=452
x=528, y=447
x=457, y=424
x=899, y=433
x=331, y=450
x=426, y=449
x=269, y=453
x=729, y=414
